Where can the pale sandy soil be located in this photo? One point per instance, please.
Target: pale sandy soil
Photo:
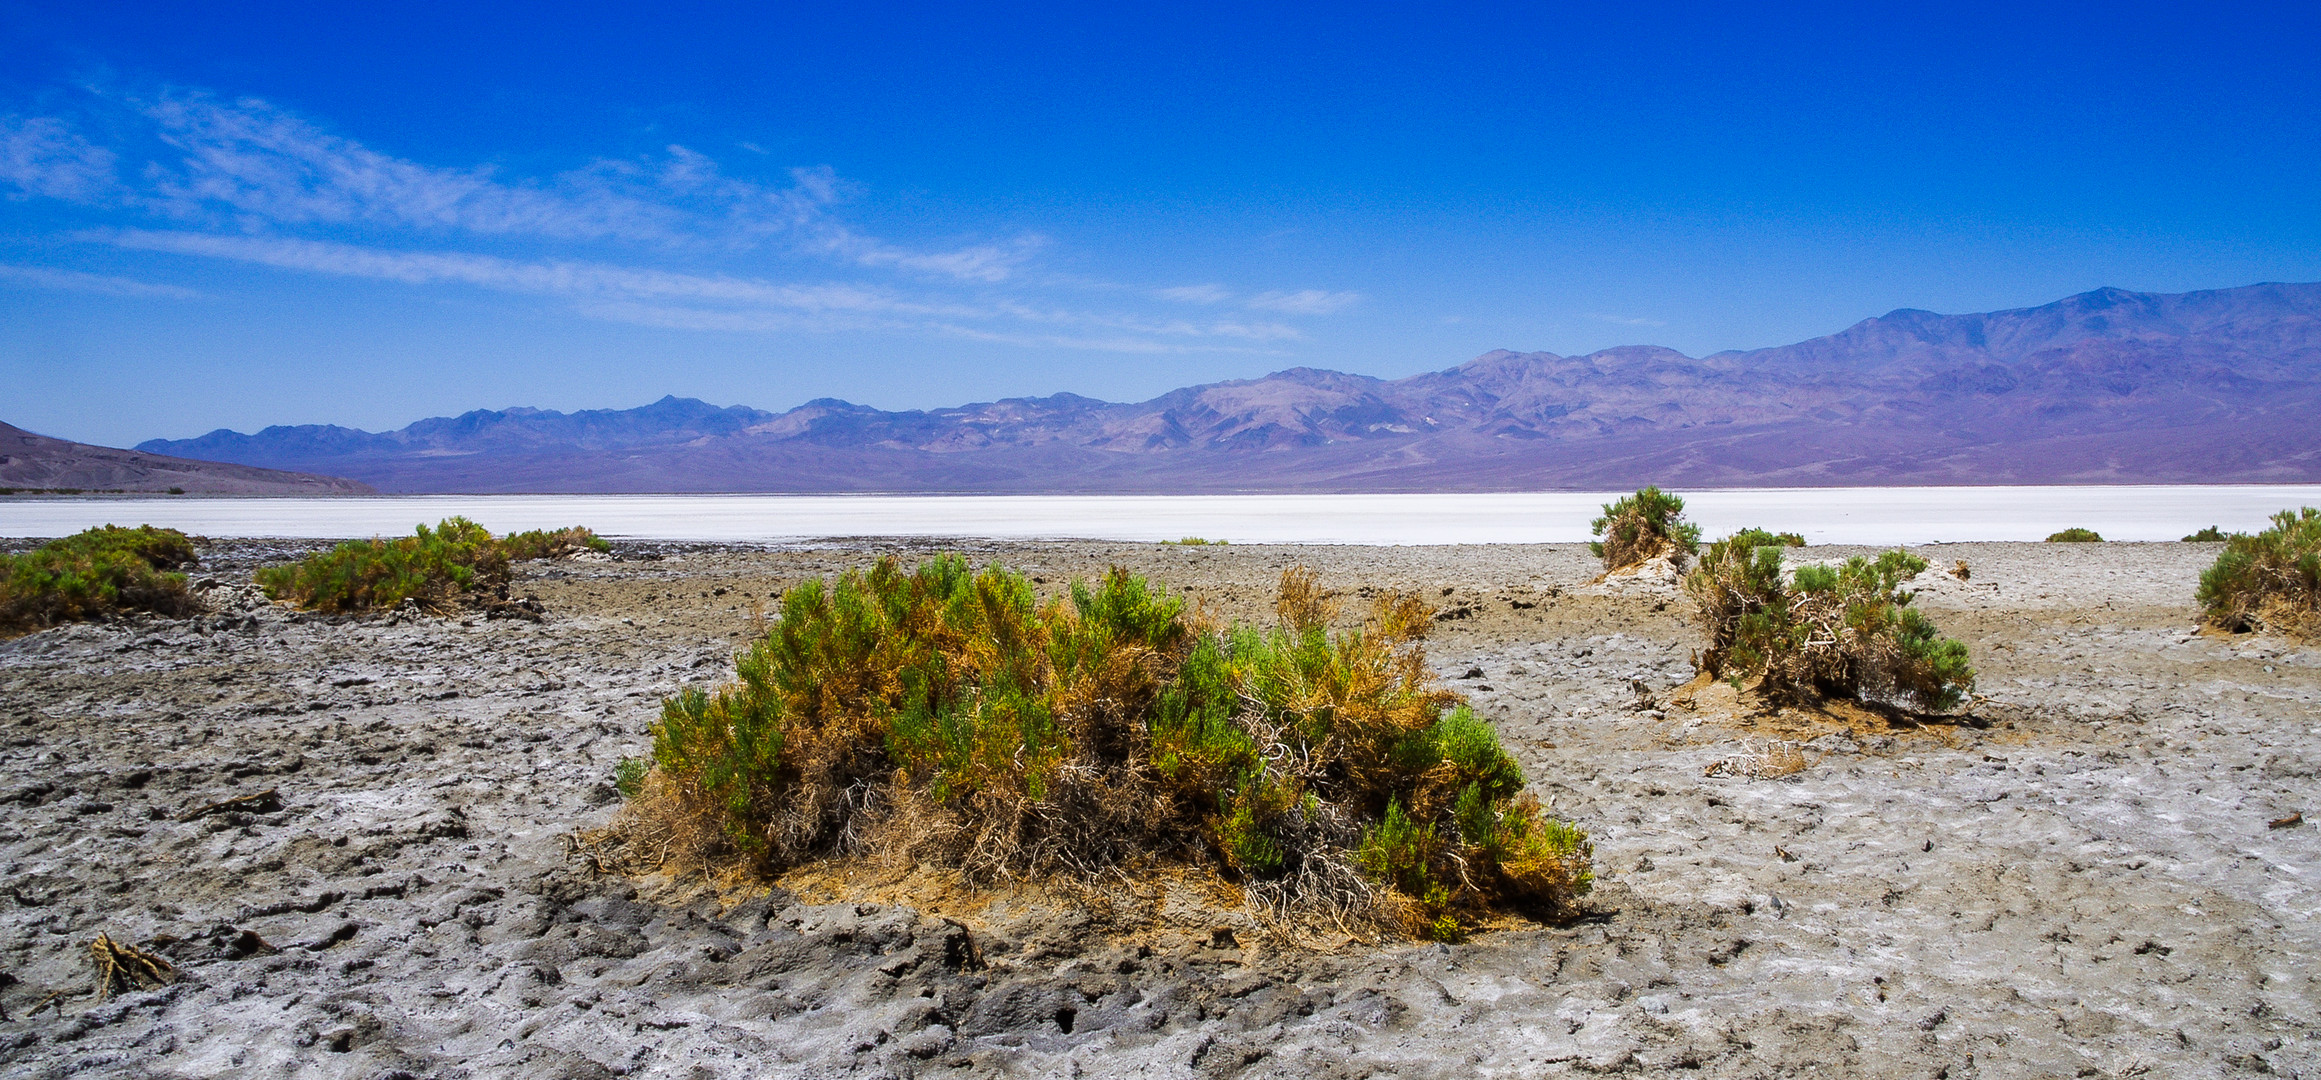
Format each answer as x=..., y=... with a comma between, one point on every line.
x=2081, y=882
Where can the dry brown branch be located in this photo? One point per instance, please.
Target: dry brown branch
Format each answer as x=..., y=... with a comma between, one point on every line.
x=1770, y=760
x=126, y=967
x=1303, y=604
x=264, y=802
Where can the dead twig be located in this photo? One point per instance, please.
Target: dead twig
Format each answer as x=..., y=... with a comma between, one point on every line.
x=264, y=802
x=126, y=967
x=1768, y=761
x=2290, y=822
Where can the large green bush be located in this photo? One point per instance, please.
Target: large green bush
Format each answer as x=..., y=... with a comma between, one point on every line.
x=1647, y=525
x=946, y=716
x=94, y=573
x=1844, y=631
x=2270, y=580
x=454, y=565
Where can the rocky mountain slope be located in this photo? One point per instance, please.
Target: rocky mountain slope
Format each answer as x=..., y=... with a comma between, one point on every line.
x=38, y=461
x=2103, y=387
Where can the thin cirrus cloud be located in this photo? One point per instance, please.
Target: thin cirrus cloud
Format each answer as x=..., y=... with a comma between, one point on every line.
x=1301, y=302
x=191, y=174
x=100, y=284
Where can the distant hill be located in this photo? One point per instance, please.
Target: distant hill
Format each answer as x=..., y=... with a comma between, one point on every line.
x=2103, y=387
x=37, y=461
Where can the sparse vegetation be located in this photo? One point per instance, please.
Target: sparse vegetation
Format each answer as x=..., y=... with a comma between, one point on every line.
x=552, y=543
x=1196, y=541
x=944, y=716
x=2209, y=535
x=95, y=573
x=2270, y=580
x=454, y=565
x=2076, y=536
x=1843, y=631
x=1647, y=525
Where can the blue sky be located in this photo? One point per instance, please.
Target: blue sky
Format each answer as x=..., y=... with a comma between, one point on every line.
x=238, y=215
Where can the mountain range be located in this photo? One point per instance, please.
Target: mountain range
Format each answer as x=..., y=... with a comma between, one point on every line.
x=2108, y=386
x=35, y=461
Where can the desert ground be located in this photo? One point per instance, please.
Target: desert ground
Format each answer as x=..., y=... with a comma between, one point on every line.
x=2077, y=878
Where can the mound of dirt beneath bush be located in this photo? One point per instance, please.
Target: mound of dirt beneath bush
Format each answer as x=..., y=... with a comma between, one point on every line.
x=2077, y=878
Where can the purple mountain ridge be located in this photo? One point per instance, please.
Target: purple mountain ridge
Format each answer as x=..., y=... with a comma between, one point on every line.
x=30, y=460
x=2107, y=386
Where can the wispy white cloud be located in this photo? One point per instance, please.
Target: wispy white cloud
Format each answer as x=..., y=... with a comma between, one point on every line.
x=41, y=156
x=1627, y=320
x=1195, y=294
x=1303, y=302
x=555, y=278
x=101, y=284
x=247, y=181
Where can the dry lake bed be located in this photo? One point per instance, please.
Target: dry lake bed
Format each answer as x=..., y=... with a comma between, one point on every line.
x=2080, y=879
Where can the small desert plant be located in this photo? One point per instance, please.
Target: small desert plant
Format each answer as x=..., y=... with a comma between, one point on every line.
x=1196, y=541
x=1647, y=525
x=552, y=543
x=2076, y=536
x=455, y=564
x=2209, y=535
x=2270, y=580
x=1844, y=631
x=94, y=573
x=628, y=777
x=945, y=716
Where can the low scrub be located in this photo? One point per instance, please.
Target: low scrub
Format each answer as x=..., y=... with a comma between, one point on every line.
x=946, y=716
x=2076, y=536
x=553, y=543
x=2270, y=580
x=1838, y=631
x=457, y=564
x=95, y=573
x=1645, y=526
x=2209, y=535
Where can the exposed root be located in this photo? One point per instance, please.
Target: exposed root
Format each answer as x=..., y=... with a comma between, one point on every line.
x=1769, y=760
x=264, y=802
x=126, y=967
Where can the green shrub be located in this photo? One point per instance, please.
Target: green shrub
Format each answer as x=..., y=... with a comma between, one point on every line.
x=1647, y=525
x=1196, y=541
x=2209, y=535
x=2268, y=581
x=628, y=777
x=2076, y=536
x=552, y=543
x=945, y=716
x=95, y=573
x=454, y=565
x=1843, y=631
